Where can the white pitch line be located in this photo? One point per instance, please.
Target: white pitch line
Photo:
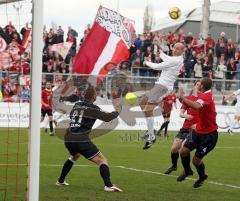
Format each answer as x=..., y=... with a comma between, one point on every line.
x=150, y=172
x=132, y=169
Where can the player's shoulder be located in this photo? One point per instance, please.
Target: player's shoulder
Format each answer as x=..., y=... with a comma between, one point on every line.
x=86, y=104
x=206, y=96
x=192, y=97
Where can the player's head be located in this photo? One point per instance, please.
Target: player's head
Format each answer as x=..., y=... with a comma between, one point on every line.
x=90, y=94
x=48, y=85
x=195, y=89
x=205, y=84
x=178, y=49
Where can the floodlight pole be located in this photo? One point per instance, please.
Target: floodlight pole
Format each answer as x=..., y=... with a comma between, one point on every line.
x=35, y=106
x=237, y=30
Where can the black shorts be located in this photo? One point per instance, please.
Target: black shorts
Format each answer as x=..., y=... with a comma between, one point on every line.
x=184, y=133
x=48, y=112
x=202, y=143
x=166, y=115
x=87, y=149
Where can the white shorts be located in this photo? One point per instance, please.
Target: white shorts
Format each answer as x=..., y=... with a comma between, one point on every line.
x=156, y=94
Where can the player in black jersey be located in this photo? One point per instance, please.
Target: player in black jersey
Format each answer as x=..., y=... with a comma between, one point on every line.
x=77, y=140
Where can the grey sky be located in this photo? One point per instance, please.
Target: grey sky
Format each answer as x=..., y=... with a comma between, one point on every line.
x=79, y=13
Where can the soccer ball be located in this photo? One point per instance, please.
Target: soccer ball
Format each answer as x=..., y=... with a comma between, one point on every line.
x=131, y=99
x=174, y=13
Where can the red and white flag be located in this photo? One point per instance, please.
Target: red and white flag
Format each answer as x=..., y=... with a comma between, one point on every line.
x=108, y=41
x=62, y=48
x=27, y=39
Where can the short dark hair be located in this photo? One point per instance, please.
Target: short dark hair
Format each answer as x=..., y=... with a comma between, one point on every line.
x=206, y=83
x=89, y=93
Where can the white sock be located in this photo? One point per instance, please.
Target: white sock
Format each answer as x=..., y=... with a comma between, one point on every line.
x=150, y=123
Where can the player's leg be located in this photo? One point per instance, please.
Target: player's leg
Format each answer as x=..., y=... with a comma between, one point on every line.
x=188, y=145
x=206, y=143
x=66, y=169
x=101, y=161
x=167, y=121
x=163, y=125
x=233, y=123
x=43, y=114
x=148, y=103
x=50, y=118
x=174, y=155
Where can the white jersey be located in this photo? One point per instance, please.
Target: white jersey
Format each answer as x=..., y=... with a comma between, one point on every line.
x=170, y=69
x=237, y=94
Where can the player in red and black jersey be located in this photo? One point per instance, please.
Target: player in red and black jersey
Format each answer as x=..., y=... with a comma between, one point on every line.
x=167, y=104
x=191, y=118
x=47, y=105
x=205, y=137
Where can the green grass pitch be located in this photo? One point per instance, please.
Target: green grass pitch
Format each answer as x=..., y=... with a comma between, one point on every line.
x=138, y=172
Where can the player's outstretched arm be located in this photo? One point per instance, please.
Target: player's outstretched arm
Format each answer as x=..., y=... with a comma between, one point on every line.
x=164, y=56
x=101, y=115
x=160, y=66
x=187, y=102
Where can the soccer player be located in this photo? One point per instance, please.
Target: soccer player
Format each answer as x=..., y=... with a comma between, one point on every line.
x=205, y=137
x=191, y=118
x=237, y=110
x=167, y=104
x=170, y=68
x=78, y=142
x=47, y=105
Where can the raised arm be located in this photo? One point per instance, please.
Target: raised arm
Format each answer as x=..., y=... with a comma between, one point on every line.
x=160, y=66
x=163, y=56
x=101, y=115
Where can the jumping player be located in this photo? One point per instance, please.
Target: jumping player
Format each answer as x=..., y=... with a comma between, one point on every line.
x=205, y=137
x=191, y=118
x=170, y=68
x=78, y=142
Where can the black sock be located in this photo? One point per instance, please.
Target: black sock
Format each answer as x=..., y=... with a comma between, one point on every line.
x=51, y=126
x=166, y=127
x=186, y=162
x=201, y=170
x=174, y=157
x=65, y=170
x=105, y=173
x=163, y=126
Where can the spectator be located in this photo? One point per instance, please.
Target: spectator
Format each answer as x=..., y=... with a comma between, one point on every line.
x=189, y=38
x=136, y=59
x=181, y=36
x=189, y=63
x=24, y=30
x=71, y=38
x=207, y=68
x=219, y=72
x=25, y=96
x=138, y=42
x=60, y=34
x=221, y=50
x=231, y=72
x=230, y=49
x=208, y=43
x=198, y=69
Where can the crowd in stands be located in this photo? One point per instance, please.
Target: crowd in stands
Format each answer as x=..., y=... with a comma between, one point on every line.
x=219, y=59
